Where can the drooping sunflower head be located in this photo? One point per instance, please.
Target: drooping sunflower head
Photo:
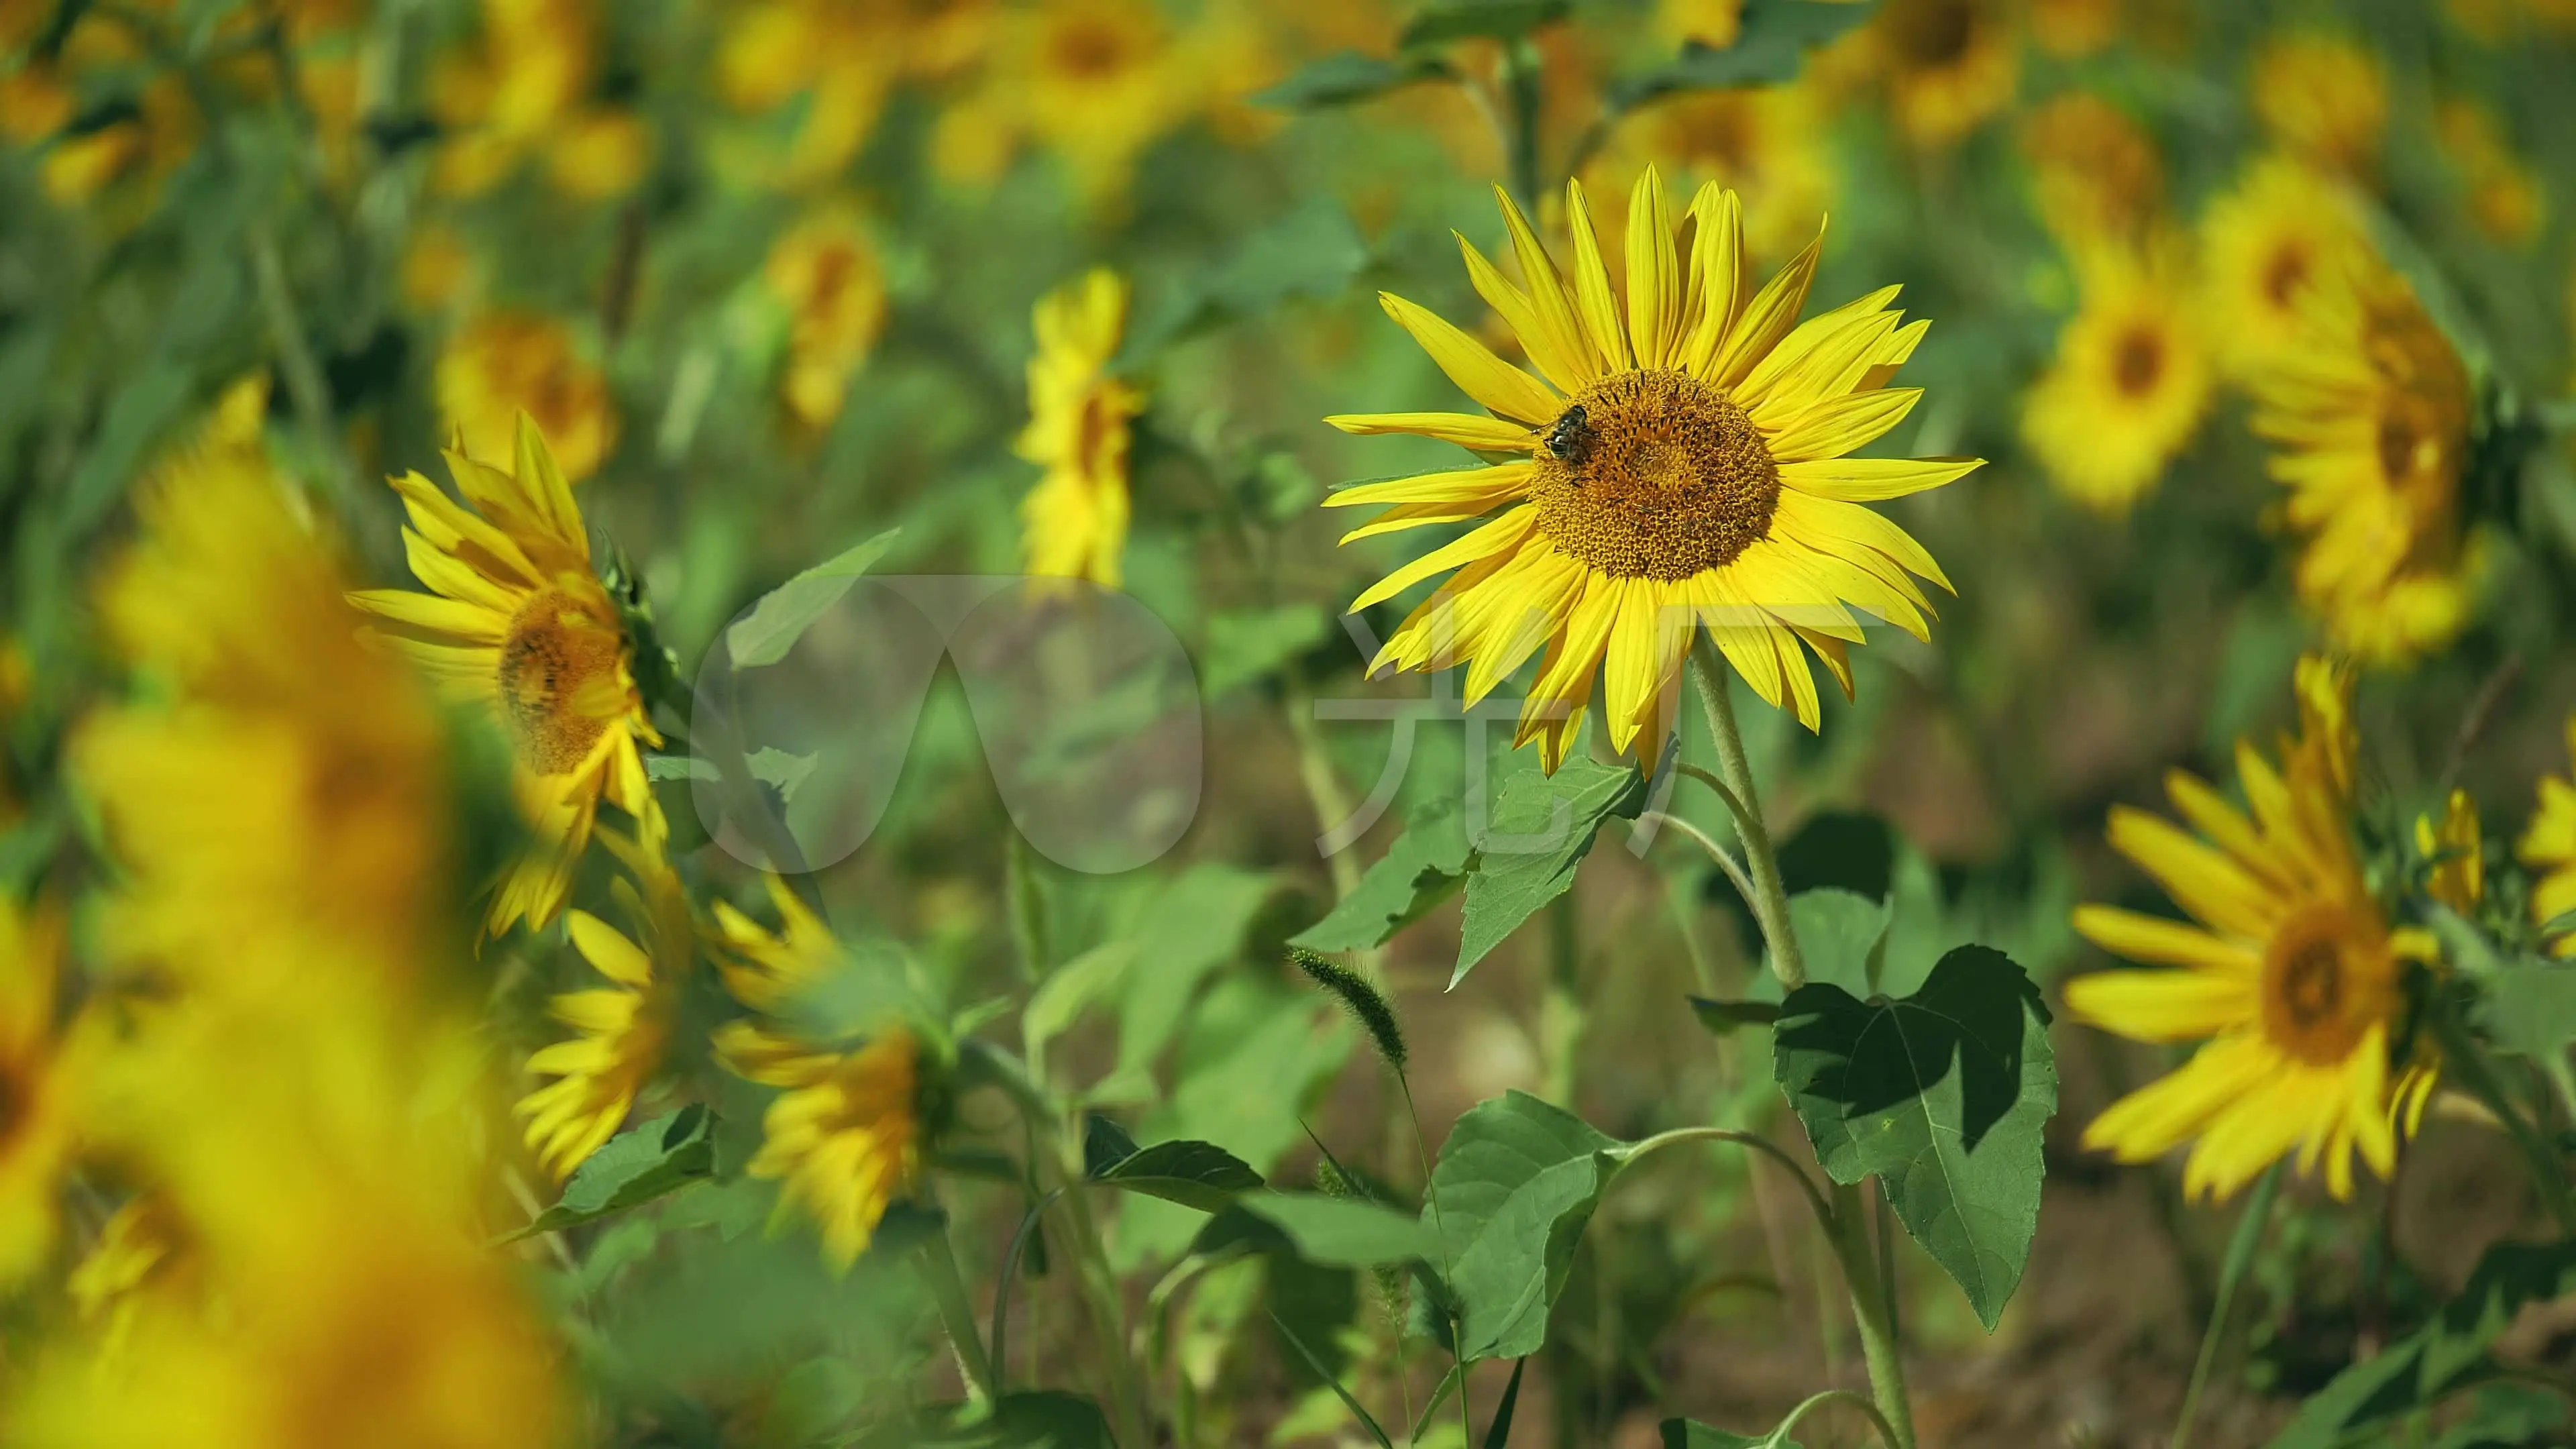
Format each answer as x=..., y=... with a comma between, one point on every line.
x=506, y=364
x=845, y=1137
x=2323, y=98
x=1075, y=519
x=623, y=1030
x=1679, y=464
x=2289, y=970
x=766, y=970
x=519, y=623
x=2369, y=412
x=2264, y=245
x=2130, y=382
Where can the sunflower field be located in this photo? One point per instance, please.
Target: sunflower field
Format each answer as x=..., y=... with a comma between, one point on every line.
x=1083, y=723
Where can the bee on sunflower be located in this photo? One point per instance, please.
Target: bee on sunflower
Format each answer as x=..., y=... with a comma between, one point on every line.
x=1680, y=465
x=846, y=1135
x=516, y=620
x=2290, y=971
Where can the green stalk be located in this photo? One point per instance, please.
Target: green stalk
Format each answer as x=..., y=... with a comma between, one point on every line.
x=1874, y=1314
x=2240, y=1256
x=958, y=1314
x=1109, y=1317
x=1770, y=897
x=1522, y=91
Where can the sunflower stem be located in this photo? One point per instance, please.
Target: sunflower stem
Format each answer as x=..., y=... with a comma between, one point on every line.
x=957, y=1313
x=1100, y=1287
x=2240, y=1256
x=1874, y=1311
x=1770, y=898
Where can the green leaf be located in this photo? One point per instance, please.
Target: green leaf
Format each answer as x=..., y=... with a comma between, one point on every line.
x=1194, y=1174
x=1772, y=39
x=1421, y=868
x=1031, y=1419
x=1313, y=252
x=1941, y=1095
x=632, y=1168
x=1105, y=1144
x=1692, y=1434
x=1195, y=925
x=1245, y=645
x=1843, y=937
x=2444, y=1356
x=1346, y=78
x=1516, y=1183
x=783, y=614
x=1060, y=998
x=1474, y=19
x=2528, y=1007
x=1498, y=1434
x=1342, y=1232
x=1542, y=827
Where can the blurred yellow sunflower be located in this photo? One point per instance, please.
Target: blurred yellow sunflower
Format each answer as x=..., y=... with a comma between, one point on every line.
x=1945, y=66
x=1681, y=467
x=517, y=621
x=1098, y=82
x=2130, y=382
x=2505, y=198
x=1768, y=145
x=1712, y=23
x=2289, y=970
x=141, y=1246
x=2070, y=29
x=2457, y=876
x=2368, y=414
x=2095, y=173
x=623, y=1029
x=2322, y=97
x=504, y=364
x=279, y=796
x=825, y=273
x=521, y=92
x=845, y=1135
x=36, y=1111
x=2548, y=846
x=1074, y=522
x=2263, y=244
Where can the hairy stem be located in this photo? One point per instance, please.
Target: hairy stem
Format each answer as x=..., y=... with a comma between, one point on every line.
x=1874, y=1314
x=1770, y=898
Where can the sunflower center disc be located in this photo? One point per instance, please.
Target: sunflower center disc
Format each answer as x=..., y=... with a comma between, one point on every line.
x=554, y=651
x=2321, y=986
x=1654, y=475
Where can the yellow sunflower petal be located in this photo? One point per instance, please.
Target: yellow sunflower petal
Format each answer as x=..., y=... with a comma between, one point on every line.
x=1484, y=435
x=1503, y=533
x=1473, y=366
x=1654, y=273
x=1592, y=297
x=1872, y=480
x=1767, y=318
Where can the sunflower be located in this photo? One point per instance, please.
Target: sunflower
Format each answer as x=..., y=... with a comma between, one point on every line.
x=1682, y=466
x=1767, y=144
x=2130, y=382
x=508, y=363
x=1947, y=66
x=2291, y=971
x=2504, y=198
x=845, y=1135
x=825, y=273
x=141, y=1248
x=2368, y=414
x=2548, y=846
x=2455, y=855
x=36, y=1119
x=2071, y=29
x=2095, y=172
x=279, y=794
x=1097, y=82
x=1075, y=519
x=624, y=1028
x=517, y=621
x=2263, y=244
x=2323, y=98
x=835, y=63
